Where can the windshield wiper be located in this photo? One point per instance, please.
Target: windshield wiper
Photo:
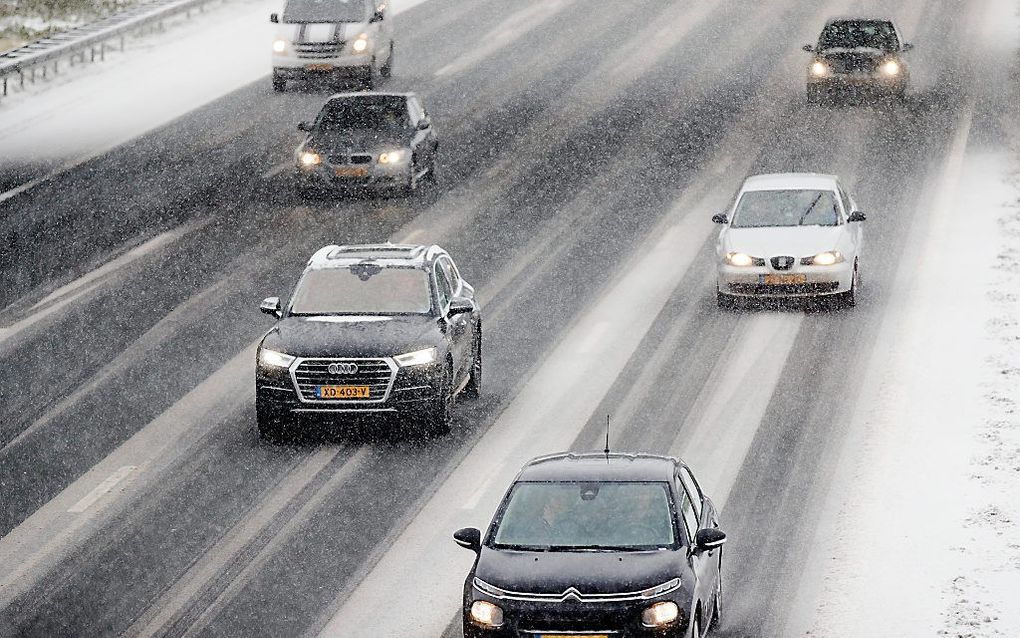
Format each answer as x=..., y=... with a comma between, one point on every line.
x=808, y=211
x=599, y=548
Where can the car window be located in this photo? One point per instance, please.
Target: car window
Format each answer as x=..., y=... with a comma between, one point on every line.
x=848, y=205
x=324, y=11
x=371, y=112
x=362, y=289
x=851, y=34
x=692, y=489
x=443, y=288
x=688, y=514
x=795, y=207
x=594, y=515
x=451, y=274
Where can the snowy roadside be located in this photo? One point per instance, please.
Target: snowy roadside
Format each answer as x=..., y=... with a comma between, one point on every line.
x=920, y=533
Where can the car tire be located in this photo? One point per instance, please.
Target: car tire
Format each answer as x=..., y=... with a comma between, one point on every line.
x=440, y=414
x=473, y=389
x=848, y=299
x=279, y=84
x=270, y=423
x=387, y=69
x=724, y=301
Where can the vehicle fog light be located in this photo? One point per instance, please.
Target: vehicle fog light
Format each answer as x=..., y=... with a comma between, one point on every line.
x=660, y=614
x=486, y=614
x=279, y=46
x=892, y=67
x=819, y=69
x=310, y=159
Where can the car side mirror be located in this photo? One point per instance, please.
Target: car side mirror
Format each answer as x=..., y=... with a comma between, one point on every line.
x=378, y=16
x=721, y=218
x=469, y=538
x=906, y=47
x=271, y=306
x=274, y=18
x=305, y=126
x=424, y=124
x=809, y=48
x=857, y=216
x=461, y=305
x=708, y=539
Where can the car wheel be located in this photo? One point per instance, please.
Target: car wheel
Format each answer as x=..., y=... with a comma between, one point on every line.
x=387, y=69
x=279, y=84
x=433, y=175
x=848, y=299
x=270, y=423
x=724, y=301
x=473, y=389
x=437, y=421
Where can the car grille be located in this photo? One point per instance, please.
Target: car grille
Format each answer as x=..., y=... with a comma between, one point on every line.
x=852, y=64
x=318, y=50
x=337, y=158
x=783, y=262
x=377, y=374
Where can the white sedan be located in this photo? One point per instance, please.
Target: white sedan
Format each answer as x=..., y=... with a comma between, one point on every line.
x=789, y=235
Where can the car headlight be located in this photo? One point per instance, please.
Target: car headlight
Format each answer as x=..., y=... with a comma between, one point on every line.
x=486, y=614
x=891, y=67
x=279, y=46
x=391, y=157
x=416, y=358
x=660, y=614
x=827, y=258
x=819, y=69
x=360, y=44
x=742, y=259
x=275, y=359
x=310, y=158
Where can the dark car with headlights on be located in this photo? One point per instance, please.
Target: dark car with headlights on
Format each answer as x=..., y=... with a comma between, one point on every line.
x=597, y=545
x=370, y=330
x=380, y=141
x=859, y=54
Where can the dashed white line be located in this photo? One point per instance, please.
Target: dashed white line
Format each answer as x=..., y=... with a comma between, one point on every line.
x=100, y=490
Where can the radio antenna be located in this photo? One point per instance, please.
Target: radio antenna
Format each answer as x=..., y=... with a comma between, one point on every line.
x=607, y=434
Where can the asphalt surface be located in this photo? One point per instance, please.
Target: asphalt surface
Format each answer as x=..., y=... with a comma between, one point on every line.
x=563, y=151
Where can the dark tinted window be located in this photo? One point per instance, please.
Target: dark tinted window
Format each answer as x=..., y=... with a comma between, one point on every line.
x=865, y=33
x=692, y=489
x=758, y=209
x=318, y=11
x=373, y=112
x=596, y=515
x=362, y=289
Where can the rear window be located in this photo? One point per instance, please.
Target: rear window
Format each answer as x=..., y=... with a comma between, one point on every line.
x=374, y=112
x=324, y=11
x=363, y=289
x=871, y=34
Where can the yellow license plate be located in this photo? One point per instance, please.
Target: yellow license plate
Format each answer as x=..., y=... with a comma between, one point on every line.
x=784, y=280
x=351, y=171
x=318, y=67
x=342, y=392
x=573, y=636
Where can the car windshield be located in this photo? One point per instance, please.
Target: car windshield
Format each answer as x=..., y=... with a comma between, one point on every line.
x=853, y=34
x=758, y=209
x=364, y=288
x=374, y=112
x=324, y=11
x=586, y=516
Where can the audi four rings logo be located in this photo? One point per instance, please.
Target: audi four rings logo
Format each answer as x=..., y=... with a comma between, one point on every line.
x=343, y=368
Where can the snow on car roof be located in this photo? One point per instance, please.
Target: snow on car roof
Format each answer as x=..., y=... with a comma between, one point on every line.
x=790, y=181
x=336, y=256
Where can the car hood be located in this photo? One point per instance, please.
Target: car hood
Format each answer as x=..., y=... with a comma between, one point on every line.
x=848, y=52
x=587, y=572
x=353, y=336
x=358, y=141
x=795, y=241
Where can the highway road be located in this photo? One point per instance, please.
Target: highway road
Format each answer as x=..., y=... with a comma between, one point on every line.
x=585, y=146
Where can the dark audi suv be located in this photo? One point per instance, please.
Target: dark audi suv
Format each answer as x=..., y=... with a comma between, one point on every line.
x=857, y=54
x=369, y=140
x=609, y=545
x=374, y=329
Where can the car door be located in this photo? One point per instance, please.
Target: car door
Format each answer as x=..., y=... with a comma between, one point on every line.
x=705, y=565
x=458, y=326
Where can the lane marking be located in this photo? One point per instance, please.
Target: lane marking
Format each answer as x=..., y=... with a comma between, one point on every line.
x=276, y=170
x=101, y=489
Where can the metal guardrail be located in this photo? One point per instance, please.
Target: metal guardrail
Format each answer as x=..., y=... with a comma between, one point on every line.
x=87, y=40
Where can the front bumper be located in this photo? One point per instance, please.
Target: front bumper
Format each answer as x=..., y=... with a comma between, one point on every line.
x=858, y=81
x=410, y=391
x=372, y=175
x=811, y=281
x=291, y=67
x=615, y=619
